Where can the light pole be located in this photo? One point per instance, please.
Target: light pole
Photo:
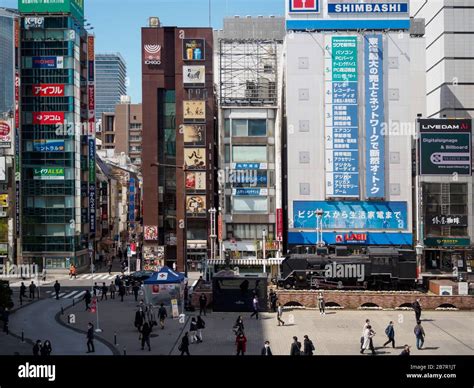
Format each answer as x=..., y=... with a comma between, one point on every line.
x=264, y=253
x=185, y=258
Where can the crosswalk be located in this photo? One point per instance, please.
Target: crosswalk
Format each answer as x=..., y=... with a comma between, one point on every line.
x=67, y=295
x=99, y=276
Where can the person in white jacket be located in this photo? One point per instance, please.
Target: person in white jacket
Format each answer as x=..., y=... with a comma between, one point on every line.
x=368, y=340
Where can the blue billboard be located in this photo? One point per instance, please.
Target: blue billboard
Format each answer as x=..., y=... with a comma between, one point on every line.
x=47, y=62
x=374, y=117
x=48, y=145
x=351, y=215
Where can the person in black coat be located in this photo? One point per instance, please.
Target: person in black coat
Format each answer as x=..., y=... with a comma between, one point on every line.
x=46, y=349
x=295, y=347
x=37, y=348
x=135, y=290
x=202, y=304
x=5, y=319
x=121, y=292
x=87, y=299
x=308, y=346
x=239, y=325
x=145, y=332
x=417, y=308
x=90, y=338
x=406, y=351
x=184, y=347
x=139, y=318
x=266, y=350
x=57, y=288
x=22, y=292
x=104, y=289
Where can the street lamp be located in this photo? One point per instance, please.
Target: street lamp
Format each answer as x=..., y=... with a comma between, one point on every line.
x=184, y=209
x=419, y=255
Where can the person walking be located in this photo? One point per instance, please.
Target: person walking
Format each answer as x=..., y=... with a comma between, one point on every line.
x=96, y=289
x=184, y=346
x=57, y=288
x=202, y=304
x=46, y=349
x=308, y=346
x=321, y=304
x=112, y=290
x=420, y=335
x=368, y=340
x=390, y=332
x=239, y=325
x=22, y=292
x=105, y=289
x=405, y=351
x=295, y=349
x=201, y=325
x=37, y=348
x=32, y=288
x=117, y=281
x=273, y=300
x=145, y=335
x=121, y=291
x=72, y=272
x=90, y=338
x=139, y=319
x=417, y=308
x=109, y=264
x=87, y=298
x=279, y=315
x=135, y=290
x=162, y=315
x=241, y=343
x=255, y=306
x=193, y=330
x=6, y=319
x=266, y=350
x=367, y=323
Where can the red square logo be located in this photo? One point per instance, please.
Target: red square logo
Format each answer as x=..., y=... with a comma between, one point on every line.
x=304, y=6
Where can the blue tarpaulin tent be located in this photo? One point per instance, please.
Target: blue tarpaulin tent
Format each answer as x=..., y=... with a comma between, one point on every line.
x=164, y=286
x=165, y=276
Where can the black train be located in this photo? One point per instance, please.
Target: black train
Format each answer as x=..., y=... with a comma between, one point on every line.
x=378, y=269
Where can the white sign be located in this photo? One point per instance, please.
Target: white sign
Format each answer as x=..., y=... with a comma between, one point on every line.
x=463, y=288
x=174, y=308
x=194, y=75
x=163, y=276
x=446, y=290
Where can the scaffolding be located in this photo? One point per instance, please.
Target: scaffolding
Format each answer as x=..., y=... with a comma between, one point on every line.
x=248, y=72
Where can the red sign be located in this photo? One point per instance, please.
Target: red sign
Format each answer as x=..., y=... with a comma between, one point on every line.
x=304, y=5
x=94, y=305
x=356, y=237
x=279, y=224
x=219, y=227
x=4, y=128
x=17, y=33
x=90, y=48
x=91, y=100
x=48, y=118
x=152, y=54
x=48, y=90
x=17, y=99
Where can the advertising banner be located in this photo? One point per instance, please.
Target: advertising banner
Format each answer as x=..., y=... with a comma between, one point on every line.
x=48, y=62
x=152, y=54
x=48, y=145
x=195, y=158
x=92, y=187
x=47, y=174
x=17, y=99
x=3, y=200
x=194, y=49
x=443, y=220
x=244, y=178
x=34, y=22
x=341, y=117
x=304, y=6
x=151, y=233
x=75, y=7
x=249, y=192
x=196, y=205
x=194, y=134
x=249, y=166
x=3, y=168
x=364, y=8
x=194, y=111
x=195, y=181
x=374, y=117
x=194, y=76
x=447, y=242
x=351, y=215
x=48, y=118
x=48, y=90
x=279, y=224
x=5, y=134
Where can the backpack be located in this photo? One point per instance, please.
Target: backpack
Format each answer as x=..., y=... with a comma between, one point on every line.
x=387, y=330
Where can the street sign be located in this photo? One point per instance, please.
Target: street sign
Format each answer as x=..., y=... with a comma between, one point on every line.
x=94, y=305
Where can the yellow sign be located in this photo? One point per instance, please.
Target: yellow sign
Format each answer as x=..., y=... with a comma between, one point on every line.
x=194, y=110
x=3, y=200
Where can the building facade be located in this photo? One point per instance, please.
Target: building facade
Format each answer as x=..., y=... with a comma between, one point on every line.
x=111, y=73
x=58, y=197
x=178, y=152
x=249, y=78
x=354, y=87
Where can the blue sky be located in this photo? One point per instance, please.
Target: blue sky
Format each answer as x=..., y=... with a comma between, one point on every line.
x=117, y=23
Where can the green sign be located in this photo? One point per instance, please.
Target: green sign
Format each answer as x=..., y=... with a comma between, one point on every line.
x=447, y=242
x=56, y=173
x=344, y=58
x=445, y=153
x=75, y=7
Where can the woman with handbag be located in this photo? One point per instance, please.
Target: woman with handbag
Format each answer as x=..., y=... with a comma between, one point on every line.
x=239, y=326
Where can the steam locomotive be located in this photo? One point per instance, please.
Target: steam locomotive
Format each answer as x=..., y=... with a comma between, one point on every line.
x=377, y=269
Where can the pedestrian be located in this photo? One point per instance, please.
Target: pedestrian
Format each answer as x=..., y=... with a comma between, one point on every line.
x=46, y=349
x=57, y=288
x=239, y=325
x=37, y=348
x=193, y=330
x=273, y=300
x=96, y=289
x=308, y=346
x=139, y=318
x=405, y=351
x=201, y=325
x=202, y=304
x=279, y=314
x=420, y=335
x=368, y=340
x=112, y=290
x=184, y=346
x=90, y=338
x=6, y=319
x=135, y=290
x=110, y=267
x=72, y=272
x=390, y=332
x=105, y=289
x=121, y=291
x=417, y=308
x=117, y=281
x=255, y=306
x=32, y=289
x=241, y=342
x=145, y=335
x=321, y=304
x=22, y=292
x=266, y=350
x=87, y=298
x=295, y=349
x=367, y=323
x=162, y=314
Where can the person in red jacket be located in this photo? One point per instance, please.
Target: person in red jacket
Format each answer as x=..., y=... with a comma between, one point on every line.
x=241, y=342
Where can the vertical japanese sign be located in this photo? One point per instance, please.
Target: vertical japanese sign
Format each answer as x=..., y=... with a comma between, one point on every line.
x=374, y=117
x=91, y=125
x=279, y=225
x=131, y=203
x=341, y=117
x=17, y=155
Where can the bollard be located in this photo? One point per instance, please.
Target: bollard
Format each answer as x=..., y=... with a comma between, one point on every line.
x=73, y=302
x=124, y=351
x=62, y=310
x=22, y=336
x=115, y=339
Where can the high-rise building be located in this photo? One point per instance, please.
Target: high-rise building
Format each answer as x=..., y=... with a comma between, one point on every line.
x=122, y=130
x=179, y=141
x=7, y=59
x=250, y=77
x=58, y=187
x=111, y=82
x=354, y=87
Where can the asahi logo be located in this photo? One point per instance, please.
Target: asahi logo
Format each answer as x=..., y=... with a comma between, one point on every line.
x=152, y=54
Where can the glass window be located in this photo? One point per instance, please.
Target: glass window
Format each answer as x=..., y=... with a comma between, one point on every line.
x=227, y=128
x=250, y=205
x=249, y=154
x=227, y=153
x=239, y=127
x=257, y=127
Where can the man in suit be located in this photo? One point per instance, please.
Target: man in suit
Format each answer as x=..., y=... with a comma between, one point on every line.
x=266, y=350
